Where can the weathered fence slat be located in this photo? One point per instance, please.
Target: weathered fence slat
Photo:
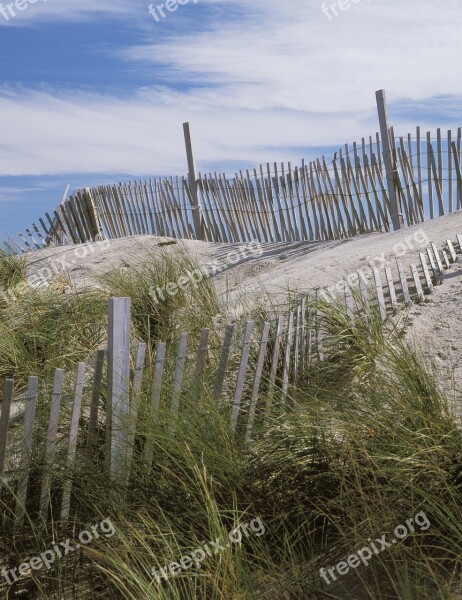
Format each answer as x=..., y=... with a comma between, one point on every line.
x=50, y=448
x=257, y=381
x=274, y=364
x=418, y=285
x=241, y=374
x=4, y=423
x=95, y=400
x=140, y=357
x=26, y=449
x=156, y=389
x=73, y=433
x=118, y=384
x=223, y=365
x=404, y=284
x=379, y=295
x=428, y=279
x=180, y=366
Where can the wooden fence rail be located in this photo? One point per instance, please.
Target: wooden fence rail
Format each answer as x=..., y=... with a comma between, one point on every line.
x=253, y=373
x=319, y=200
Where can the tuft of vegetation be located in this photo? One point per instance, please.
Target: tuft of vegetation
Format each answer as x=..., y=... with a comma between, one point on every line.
x=364, y=443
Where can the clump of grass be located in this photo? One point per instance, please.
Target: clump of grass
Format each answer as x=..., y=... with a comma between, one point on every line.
x=12, y=269
x=160, y=316
x=45, y=329
x=365, y=442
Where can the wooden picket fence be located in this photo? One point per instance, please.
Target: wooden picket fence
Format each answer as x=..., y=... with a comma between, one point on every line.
x=354, y=193
x=250, y=371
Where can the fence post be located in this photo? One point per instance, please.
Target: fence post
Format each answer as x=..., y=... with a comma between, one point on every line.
x=118, y=386
x=196, y=209
x=396, y=215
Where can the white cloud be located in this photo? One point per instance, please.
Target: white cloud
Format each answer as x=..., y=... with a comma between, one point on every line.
x=279, y=79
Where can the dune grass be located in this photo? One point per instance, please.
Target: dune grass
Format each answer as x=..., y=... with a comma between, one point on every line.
x=365, y=442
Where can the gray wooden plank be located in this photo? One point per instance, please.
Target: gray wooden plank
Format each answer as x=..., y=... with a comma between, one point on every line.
x=73, y=433
x=156, y=390
x=438, y=258
x=257, y=381
x=249, y=326
x=223, y=364
x=26, y=449
x=140, y=357
x=404, y=284
x=452, y=252
x=274, y=365
x=4, y=423
x=118, y=384
x=287, y=354
x=379, y=294
x=417, y=283
x=95, y=400
x=179, y=374
x=428, y=279
x=391, y=288
x=363, y=290
x=50, y=448
x=201, y=360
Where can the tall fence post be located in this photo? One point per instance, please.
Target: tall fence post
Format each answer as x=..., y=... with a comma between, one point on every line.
x=118, y=387
x=196, y=208
x=396, y=214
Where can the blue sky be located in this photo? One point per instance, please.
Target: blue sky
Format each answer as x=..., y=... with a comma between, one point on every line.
x=95, y=92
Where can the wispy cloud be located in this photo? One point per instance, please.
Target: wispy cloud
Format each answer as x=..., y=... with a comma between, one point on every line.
x=270, y=85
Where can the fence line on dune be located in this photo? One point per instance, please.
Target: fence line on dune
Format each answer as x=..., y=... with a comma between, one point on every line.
x=250, y=371
x=383, y=183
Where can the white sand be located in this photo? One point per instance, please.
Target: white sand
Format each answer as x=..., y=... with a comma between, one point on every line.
x=436, y=326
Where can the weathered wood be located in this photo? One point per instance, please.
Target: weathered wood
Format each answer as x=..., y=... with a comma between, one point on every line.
x=118, y=386
x=73, y=433
x=50, y=448
x=379, y=295
x=4, y=424
x=156, y=390
x=433, y=266
x=95, y=401
x=452, y=252
x=178, y=377
x=404, y=284
x=287, y=354
x=223, y=365
x=257, y=381
x=241, y=374
x=363, y=290
x=387, y=156
x=26, y=449
x=445, y=259
x=417, y=283
x=428, y=279
x=196, y=209
x=274, y=364
x=349, y=302
x=391, y=288
x=135, y=402
x=437, y=257
x=201, y=360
